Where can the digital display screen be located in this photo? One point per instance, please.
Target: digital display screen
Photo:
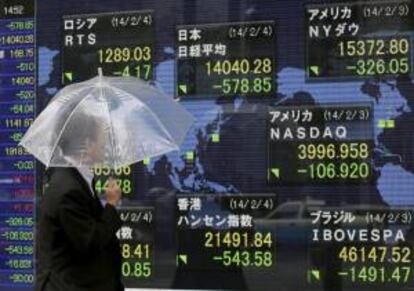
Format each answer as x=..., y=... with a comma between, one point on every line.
x=122, y=44
x=298, y=172
x=17, y=111
x=226, y=59
x=359, y=39
x=309, y=144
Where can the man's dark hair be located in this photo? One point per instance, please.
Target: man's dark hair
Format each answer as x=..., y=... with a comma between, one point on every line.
x=76, y=133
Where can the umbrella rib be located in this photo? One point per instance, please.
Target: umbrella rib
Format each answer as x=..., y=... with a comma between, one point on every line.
x=122, y=92
x=76, y=91
x=64, y=127
x=143, y=150
x=111, y=130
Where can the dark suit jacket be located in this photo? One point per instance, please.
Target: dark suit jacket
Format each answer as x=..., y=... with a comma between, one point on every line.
x=77, y=249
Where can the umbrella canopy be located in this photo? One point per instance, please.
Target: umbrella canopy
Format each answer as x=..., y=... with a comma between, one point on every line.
x=111, y=121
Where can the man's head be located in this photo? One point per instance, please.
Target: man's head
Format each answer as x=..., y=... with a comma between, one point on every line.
x=83, y=139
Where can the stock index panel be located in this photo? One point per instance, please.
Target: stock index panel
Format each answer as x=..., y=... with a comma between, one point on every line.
x=17, y=66
x=359, y=39
x=298, y=172
x=323, y=144
x=122, y=44
x=226, y=59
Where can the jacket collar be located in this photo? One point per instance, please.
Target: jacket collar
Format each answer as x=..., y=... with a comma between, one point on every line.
x=82, y=181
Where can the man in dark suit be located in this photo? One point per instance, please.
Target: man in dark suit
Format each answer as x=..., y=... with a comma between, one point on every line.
x=77, y=248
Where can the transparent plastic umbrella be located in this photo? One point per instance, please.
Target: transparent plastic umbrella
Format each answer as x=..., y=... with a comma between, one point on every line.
x=112, y=121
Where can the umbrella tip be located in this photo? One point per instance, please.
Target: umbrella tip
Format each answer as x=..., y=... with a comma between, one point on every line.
x=100, y=73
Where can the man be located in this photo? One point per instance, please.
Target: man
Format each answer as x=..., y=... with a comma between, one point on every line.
x=77, y=248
